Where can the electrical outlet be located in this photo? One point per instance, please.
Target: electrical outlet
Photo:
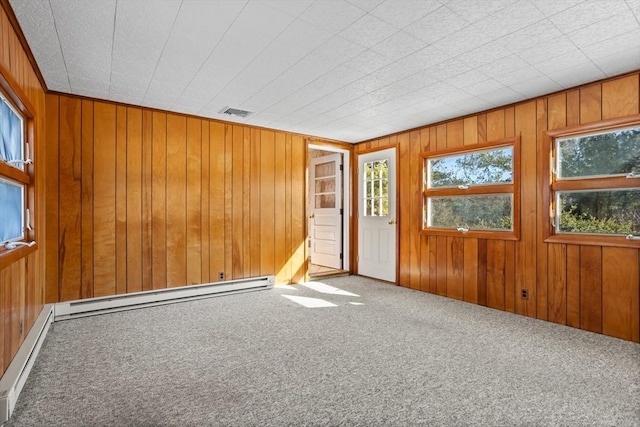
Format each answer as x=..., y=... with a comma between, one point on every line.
x=20, y=328
x=221, y=275
x=524, y=293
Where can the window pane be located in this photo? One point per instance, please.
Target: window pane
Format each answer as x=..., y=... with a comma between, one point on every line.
x=325, y=169
x=376, y=185
x=11, y=214
x=10, y=134
x=601, y=212
x=474, y=168
x=326, y=185
x=485, y=212
x=611, y=153
x=326, y=201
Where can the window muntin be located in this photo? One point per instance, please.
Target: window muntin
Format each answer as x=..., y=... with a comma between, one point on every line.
x=12, y=212
x=482, y=212
x=600, y=154
x=473, y=191
x=376, y=188
x=594, y=193
x=481, y=167
x=11, y=135
x=614, y=212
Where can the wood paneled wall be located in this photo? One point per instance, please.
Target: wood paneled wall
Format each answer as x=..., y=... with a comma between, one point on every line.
x=22, y=282
x=140, y=199
x=596, y=288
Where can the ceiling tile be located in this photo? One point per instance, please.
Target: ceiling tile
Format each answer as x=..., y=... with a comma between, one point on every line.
x=473, y=11
x=575, y=76
x=338, y=50
x=510, y=19
x=530, y=36
x=401, y=13
x=613, y=26
x=368, y=31
x=368, y=61
x=398, y=46
x=333, y=16
x=293, y=8
x=587, y=13
x=366, y=5
x=620, y=62
x=536, y=87
x=552, y=7
x=436, y=25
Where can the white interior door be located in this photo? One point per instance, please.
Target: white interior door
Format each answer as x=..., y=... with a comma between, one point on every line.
x=377, y=214
x=325, y=219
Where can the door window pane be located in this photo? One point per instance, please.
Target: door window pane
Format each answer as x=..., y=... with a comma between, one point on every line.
x=484, y=167
x=11, y=147
x=376, y=185
x=11, y=214
x=599, y=212
x=599, y=155
x=484, y=212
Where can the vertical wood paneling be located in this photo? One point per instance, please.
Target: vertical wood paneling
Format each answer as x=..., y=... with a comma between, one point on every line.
x=471, y=270
x=542, y=203
x=52, y=189
x=441, y=266
x=176, y=201
x=159, y=200
x=207, y=277
x=121, y=199
x=194, y=197
x=573, y=286
x=495, y=274
x=620, y=293
x=424, y=263
x=246, y=204
x=267, y=205
x=104, y=233
x=591, y=288
x=620, y=97
x=557, y=279
x=495, y=125
x=415, y=182
x=298, y=217
x=591, y=103
x=433, y=264
x=134, y=200
x=455, y=267
x=256, y=190
x=510, y=294
x=404, y=213
x=526, y=273
x=280, y=257
x=228, y=202
x=573, y=107
x=482, y=272
x=70, y=179
x=87, y=203
x=216, y=199
x=237, y=200
x=147, y=214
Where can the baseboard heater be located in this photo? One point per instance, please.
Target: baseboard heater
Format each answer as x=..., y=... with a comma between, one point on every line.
x=111, y=304
x=16, y=374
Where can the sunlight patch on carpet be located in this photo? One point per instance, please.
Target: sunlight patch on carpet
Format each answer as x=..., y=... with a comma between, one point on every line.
x=310, y=302
x=327, y=289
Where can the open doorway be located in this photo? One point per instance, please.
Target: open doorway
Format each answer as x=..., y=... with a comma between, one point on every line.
x=328, y=208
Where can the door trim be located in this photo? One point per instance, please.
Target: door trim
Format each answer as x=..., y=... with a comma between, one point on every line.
x=346, y=200
x=356, y=223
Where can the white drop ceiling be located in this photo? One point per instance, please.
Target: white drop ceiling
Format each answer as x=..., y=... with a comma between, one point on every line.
x=346, y=70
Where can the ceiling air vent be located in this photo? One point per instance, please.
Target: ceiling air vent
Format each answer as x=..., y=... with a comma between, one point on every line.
x=235, y=112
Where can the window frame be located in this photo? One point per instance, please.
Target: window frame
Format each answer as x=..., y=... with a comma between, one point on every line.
x=14, y=95
x=552, y=185
x=477, y=189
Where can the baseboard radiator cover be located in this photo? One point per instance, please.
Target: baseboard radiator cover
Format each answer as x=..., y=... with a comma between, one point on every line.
x=16, y=374
x=102, y=305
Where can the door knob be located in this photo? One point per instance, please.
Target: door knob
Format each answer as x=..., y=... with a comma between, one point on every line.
x=312, y=216
x=391, y=222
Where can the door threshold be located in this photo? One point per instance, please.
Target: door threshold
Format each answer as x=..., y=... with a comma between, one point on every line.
x=329, y=273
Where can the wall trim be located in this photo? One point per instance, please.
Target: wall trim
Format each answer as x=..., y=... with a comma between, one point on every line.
x=16, y=375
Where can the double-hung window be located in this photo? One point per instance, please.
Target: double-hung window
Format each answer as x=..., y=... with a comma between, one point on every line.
x=16, y=174
x=473, y=192
x=595, y=184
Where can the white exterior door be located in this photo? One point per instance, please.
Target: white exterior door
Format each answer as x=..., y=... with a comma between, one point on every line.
x=377, y=214
x=325, y=219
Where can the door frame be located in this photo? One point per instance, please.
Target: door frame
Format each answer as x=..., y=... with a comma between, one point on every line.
x=346, y=201
x=356, y=192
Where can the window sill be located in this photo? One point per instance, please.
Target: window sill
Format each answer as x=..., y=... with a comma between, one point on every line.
x=593, y=240
x=8, y=257
x=471, y=234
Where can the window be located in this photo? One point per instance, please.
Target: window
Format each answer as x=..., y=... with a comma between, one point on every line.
x=16, y=174
x=473, y=192
x=595, y=184
x=376, y=188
